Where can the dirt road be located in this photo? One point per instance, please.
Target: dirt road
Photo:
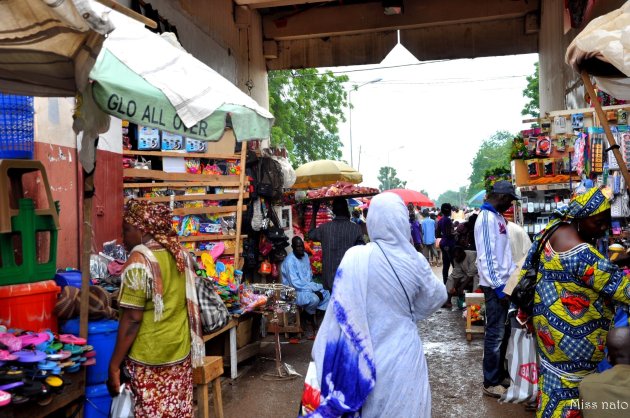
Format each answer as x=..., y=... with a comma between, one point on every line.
x=454, y=375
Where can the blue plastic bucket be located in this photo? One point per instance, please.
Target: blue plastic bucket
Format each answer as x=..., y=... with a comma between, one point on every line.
x=68, y=278
x=102, y=336
x=97, y=402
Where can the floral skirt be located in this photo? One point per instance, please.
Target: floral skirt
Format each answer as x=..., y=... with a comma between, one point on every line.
x=162, y=391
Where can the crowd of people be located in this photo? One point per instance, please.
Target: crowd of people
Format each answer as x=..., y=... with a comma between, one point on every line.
x=383, y=288
x=367, y=353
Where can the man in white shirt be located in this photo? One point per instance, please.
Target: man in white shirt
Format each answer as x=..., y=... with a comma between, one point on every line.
x=494, y=264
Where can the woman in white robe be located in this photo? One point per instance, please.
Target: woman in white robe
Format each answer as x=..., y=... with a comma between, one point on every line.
x=368, y=353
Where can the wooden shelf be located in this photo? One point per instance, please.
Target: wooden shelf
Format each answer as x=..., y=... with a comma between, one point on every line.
x=207, y=210
x=228, y=251
x=183, y=154
x=189, y=197
x=139, y=173
x=209, y=237
x=177, y=184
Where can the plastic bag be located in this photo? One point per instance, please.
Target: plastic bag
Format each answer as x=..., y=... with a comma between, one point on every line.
x=311, y=396
x=522, y=367
x=122, y=405
x=288, y=173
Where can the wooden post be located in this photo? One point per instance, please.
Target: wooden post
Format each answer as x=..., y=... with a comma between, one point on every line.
x=604, y=122
x=86, y=237
x=239, y=206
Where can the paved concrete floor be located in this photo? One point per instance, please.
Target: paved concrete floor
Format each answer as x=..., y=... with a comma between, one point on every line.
x=454, y=375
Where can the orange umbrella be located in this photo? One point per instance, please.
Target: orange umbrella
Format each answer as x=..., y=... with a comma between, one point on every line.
x=411, y=196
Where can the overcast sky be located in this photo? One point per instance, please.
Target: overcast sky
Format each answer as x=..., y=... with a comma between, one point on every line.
x=428, y=119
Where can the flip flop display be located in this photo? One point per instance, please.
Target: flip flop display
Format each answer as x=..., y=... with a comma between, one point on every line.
x=33, y=365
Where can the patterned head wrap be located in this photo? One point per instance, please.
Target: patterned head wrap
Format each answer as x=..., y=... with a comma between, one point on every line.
x=155, y=219
x=585, y=205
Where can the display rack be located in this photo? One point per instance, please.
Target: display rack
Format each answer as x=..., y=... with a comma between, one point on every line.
x=141, y=178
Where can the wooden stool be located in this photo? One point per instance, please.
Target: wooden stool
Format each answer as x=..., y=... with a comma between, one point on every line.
x=210, y=372
x=473, y=299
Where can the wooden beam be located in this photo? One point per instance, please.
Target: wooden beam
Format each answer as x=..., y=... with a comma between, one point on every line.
x=367, y=48
x=481, y=39
x=260, y=4
x=369, y=17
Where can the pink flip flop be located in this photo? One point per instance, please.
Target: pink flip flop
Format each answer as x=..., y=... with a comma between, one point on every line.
x=89, y=362
x=71, y=339
x=5, y=398
x=12, y=342
x=35, y=338
x=6, y=356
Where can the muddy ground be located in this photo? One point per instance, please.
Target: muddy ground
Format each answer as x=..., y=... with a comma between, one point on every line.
x=454, y=375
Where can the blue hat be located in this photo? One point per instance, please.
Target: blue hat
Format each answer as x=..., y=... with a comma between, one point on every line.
x=505, y=187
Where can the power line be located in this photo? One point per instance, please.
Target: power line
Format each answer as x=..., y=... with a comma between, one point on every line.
x=365, y=69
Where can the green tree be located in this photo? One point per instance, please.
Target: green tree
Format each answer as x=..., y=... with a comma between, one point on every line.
x=454, y=197
x=307, y=106
x=531, y=92
x=494, y=152
x=388, y=179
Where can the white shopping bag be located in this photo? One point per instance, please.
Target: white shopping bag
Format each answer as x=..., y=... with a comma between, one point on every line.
x=122, y=405
x=312, y=393
x=522, y=366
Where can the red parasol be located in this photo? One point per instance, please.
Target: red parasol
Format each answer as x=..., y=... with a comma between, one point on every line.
x=411, y=196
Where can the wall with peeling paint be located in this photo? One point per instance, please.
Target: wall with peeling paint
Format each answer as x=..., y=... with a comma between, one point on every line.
x=55, y=146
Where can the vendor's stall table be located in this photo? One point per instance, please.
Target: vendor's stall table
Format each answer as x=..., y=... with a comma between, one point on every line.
x=473, y=299
x=75, y=392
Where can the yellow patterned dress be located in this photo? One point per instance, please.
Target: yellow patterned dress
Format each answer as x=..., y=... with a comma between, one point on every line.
x=573, y=309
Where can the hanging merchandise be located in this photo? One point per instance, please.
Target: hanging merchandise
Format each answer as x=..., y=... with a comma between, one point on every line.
x=577, y=163
x=597, y=154
x=543, y=146
x=533, y=168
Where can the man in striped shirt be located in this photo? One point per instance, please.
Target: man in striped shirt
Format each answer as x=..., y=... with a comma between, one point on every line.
x=336, y=236
x=495, y=264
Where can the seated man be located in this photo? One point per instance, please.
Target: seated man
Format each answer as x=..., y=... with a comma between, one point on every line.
x=464, y=275
x=607, y=394
x=296, y=272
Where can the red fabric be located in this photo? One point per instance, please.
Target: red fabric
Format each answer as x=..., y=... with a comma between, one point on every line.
x=162, y=391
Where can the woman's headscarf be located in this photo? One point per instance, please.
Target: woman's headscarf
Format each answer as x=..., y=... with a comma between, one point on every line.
x=155, y=219
x=594, y=201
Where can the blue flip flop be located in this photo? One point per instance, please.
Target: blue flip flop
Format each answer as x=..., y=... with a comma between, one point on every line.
x=47, y=365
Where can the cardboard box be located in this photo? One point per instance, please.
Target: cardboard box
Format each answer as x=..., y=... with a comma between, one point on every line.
x=225, y=145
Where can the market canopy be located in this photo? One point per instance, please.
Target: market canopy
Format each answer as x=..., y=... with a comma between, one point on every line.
x=322, y=173
x=602, y=49
x=144, y=78
x=477, y=200
x=411, y=196
x=47, y=48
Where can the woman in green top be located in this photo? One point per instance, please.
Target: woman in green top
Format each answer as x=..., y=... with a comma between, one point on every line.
x=159, y=336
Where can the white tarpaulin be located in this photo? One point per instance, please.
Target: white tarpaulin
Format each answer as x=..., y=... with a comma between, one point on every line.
x=47, y=47
x=605, y=42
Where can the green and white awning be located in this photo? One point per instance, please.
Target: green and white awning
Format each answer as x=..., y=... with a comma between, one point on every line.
x=148, y=80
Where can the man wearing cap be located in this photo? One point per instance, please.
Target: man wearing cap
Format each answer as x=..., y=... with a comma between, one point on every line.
x=495, y=264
